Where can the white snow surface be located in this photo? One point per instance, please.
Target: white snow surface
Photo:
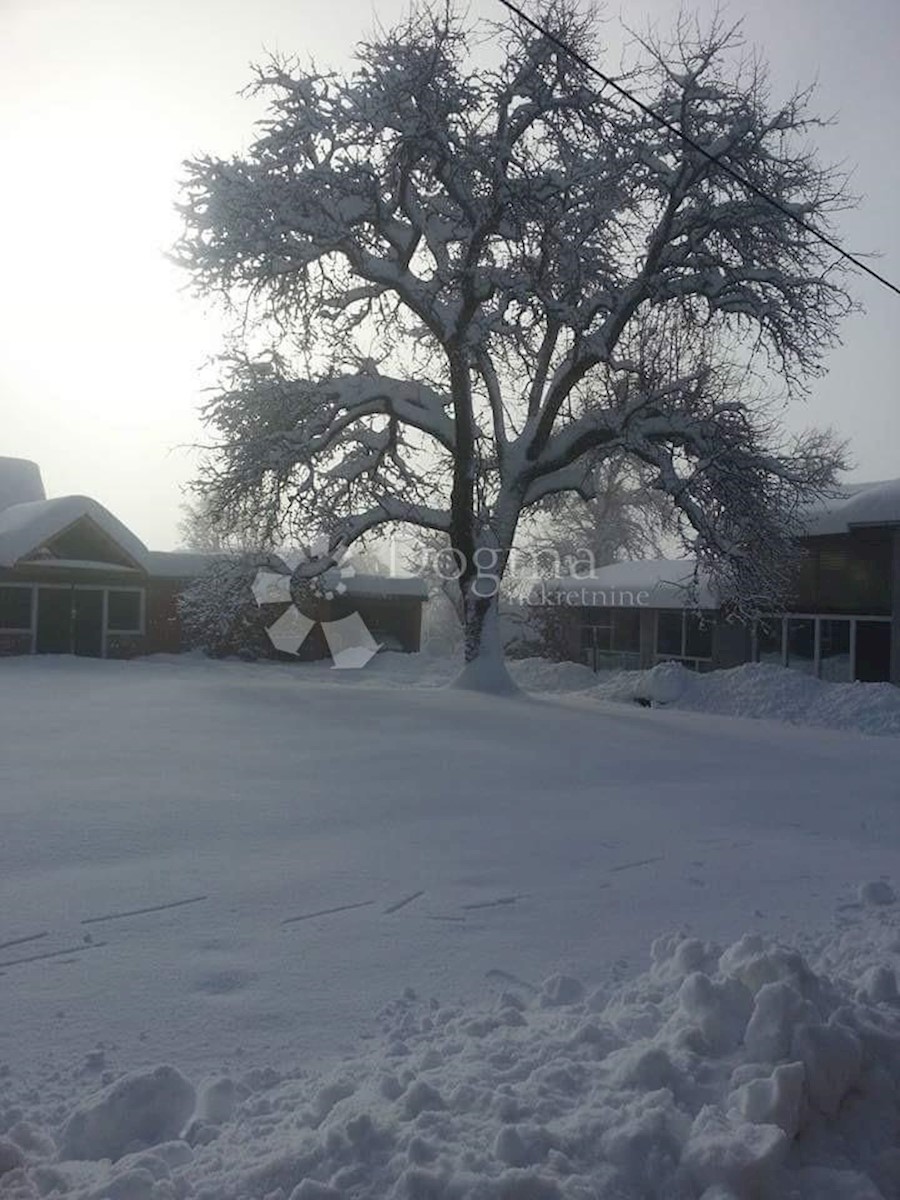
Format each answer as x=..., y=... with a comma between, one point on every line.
x=286, y=933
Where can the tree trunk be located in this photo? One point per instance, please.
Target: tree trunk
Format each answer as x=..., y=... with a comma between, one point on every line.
x=485, y=669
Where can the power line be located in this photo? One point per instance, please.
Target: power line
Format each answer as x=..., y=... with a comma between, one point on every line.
x=723, y=166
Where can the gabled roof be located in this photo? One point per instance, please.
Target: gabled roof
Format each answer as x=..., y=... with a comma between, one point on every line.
x=26, y=527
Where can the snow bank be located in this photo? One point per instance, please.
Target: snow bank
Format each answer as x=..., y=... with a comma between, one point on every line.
x=137, y=1111
x=761, y=690
x=743, y=1073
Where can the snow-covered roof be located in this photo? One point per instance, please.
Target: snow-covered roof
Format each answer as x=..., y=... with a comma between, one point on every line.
x=388, y=586
x=20, y=482
x=859, y=504
x=82, y=564
x=641, y=583
x=177, y=564
x=25, y=527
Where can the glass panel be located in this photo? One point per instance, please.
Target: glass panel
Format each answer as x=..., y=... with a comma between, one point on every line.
x=124, y=612
x=801, y=645
x=768, y=641
x=627, y=629
x=668, y=633
x=834, y=653
x=873, y=651
x=15, y=608
x=697, y=636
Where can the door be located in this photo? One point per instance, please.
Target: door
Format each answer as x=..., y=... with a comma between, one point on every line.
x=54, y=621
x=70, y=621
x=87, y=622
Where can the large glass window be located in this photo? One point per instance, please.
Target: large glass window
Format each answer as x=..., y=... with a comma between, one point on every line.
x=15, y=608
x=801, y=645
x=669, y=629
x=768, y=641
x=123, y=614
x=834, y=651
x=627, y=630
x=686, y=635
x=697, y=636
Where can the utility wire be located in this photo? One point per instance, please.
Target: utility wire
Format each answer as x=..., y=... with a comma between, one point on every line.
x=717, y=161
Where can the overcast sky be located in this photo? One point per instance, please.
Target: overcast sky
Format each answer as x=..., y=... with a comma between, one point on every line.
x=101, y=100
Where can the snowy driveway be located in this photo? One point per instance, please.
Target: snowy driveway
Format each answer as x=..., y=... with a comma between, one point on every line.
x=323, y=846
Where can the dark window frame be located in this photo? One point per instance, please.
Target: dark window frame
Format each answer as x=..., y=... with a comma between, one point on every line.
x=28, y=590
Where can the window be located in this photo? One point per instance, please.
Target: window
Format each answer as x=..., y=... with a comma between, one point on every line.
x=669, y=629
x=801, y=645
x=627, y=630
x=596, y=632
x=834, y=651
x=123, y=613
x=769, y=641
x=683, y=635
x=839, y=649
x=697, y=636
x=15, y=608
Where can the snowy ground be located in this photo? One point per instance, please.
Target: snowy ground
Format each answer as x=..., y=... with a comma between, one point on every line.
x=314, y=844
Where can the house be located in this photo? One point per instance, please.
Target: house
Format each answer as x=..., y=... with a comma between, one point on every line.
x=75, y=580
x=842, y=622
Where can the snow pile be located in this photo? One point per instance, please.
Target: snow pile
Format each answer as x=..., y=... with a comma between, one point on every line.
x=542, y=675
x=138, y=1110
x=762, y=690
x=736, y=1074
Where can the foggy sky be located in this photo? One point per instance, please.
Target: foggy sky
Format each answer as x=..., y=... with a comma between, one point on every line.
x=101, y=100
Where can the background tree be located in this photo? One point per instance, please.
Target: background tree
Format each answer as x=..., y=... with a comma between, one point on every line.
x=550, y=280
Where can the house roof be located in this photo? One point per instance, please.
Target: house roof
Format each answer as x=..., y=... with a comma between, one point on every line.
x=25, y=527
x=859, y=504
x=642, y=583
x=388, y=586
x=20, y=482
x=177, y=564
x=28, y=521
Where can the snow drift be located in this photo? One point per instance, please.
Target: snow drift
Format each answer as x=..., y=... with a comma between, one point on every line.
x=729, y=1074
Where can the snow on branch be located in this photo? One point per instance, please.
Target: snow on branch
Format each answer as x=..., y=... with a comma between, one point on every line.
x=547, y=277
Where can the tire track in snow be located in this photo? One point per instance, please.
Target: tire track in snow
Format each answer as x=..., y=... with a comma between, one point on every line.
x=15, y=962
x=498, y=903
x=137, y=912
x=20, y=941
x=392, y=908
x=641, y=862
x=325, y=912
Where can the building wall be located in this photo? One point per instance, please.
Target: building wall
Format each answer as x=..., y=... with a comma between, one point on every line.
x=163, y=627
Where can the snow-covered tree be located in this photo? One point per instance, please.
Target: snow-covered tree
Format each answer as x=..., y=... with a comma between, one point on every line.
x=485, y=280
x=627, y=517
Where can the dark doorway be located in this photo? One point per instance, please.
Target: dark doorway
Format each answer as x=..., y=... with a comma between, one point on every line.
x=873, y=651
x=54, y=621
x=70, y=621
x=87, y=623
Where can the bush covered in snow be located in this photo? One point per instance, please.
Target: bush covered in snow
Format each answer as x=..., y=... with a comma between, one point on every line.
x=219, y=614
